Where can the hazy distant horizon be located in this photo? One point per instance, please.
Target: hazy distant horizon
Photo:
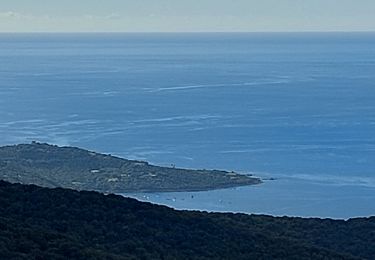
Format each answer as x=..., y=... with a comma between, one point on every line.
x=190, y=32
x=187, y=16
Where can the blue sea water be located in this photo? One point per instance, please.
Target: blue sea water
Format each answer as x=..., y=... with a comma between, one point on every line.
x=298, y=107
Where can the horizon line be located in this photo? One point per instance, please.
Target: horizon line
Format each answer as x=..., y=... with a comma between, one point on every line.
x=178, y=32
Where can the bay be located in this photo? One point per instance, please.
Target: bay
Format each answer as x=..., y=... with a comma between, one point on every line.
x=297, y=107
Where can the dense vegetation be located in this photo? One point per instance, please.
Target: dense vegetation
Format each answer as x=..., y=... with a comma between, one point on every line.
x=43, y=223
x=68, y=167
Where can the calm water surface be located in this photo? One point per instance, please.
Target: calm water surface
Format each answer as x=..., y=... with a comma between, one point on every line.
x=296, y=107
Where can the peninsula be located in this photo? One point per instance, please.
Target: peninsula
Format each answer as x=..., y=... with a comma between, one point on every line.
x=74, y=168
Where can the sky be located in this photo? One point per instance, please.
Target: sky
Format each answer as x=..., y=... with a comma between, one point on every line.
x=186, y=15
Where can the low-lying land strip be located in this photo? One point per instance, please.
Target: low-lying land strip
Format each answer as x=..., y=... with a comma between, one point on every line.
x=69, y=167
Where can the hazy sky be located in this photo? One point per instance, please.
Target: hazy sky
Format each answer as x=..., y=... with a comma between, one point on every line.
x=186, y=15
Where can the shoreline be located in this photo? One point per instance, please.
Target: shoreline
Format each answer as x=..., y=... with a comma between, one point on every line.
x=79, y=169
x=193, y=190
x=285, y=197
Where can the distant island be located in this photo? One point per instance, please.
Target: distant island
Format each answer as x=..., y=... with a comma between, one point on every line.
x=43, y=223
x=70, y=167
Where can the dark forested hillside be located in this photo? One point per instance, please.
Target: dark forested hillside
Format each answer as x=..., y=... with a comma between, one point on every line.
x=69, y=167
x=42, y=223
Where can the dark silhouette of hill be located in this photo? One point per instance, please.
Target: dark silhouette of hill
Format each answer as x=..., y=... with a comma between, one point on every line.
x=69, y=167
x=43, y=223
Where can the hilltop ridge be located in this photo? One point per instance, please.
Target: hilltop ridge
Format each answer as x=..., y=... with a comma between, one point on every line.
x=42, y=223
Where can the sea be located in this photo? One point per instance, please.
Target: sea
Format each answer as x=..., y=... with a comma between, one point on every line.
x=295, y=109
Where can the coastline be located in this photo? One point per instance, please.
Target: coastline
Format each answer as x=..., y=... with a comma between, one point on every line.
x=220, y=187
x=291, y=197
x=75, y=168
